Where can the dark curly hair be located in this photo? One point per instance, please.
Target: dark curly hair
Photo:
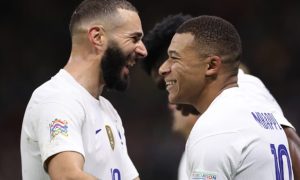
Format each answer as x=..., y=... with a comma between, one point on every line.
x=158, y=39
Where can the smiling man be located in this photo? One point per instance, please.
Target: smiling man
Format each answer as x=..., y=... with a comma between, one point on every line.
x=237, y=136
x=69, y=130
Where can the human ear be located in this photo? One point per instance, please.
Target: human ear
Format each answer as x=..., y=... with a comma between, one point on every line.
x=213, y=65
x=96, y=36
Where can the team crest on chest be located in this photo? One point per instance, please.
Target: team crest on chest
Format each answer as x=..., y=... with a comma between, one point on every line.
x=110, y=137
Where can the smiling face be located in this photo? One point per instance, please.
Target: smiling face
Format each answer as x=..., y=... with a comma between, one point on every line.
x=124, y=49
x=184, y=70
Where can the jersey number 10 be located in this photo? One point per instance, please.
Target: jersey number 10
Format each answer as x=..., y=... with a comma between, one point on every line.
x=282, y=151
x=115, y=174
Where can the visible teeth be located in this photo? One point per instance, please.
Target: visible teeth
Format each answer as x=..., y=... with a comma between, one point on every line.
x=170, y=82
x=131, y=63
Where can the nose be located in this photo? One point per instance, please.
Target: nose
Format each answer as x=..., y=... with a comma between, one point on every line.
x=141, y=50
x=164, y=69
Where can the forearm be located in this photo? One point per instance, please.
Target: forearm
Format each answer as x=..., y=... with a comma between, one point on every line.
x=67, y=166
x=294, y=146
x=73, y=176
x=295, y=155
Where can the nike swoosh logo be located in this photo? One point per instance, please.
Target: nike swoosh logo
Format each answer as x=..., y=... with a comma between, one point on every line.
x=97, y=131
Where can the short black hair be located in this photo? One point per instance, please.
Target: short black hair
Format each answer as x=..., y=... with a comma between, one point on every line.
x=92, y=9
x=158, y=39
x=215, y=36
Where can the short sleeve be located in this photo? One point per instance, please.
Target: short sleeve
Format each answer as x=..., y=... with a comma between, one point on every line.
x=59, y=127
x=213, y=157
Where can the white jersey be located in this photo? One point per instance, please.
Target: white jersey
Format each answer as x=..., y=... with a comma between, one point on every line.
x=63, y=116
x=182, y=175
x=253, y=86
x=238, y=138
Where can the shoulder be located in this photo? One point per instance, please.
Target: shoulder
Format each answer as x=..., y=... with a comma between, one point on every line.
x=227, y=114
x=108, y=107
x=61, y=89
x=55, y=100
x=244, y=79
x=228, y=100
x=105, y=103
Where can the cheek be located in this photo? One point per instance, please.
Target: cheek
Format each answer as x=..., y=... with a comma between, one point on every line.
x=129, y=49
x=195, y=76
x=177, y=125
x=184, y=78
x=178, y=71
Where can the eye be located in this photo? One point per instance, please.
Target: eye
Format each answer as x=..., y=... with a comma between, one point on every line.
x=174, y=58
x=135, y=39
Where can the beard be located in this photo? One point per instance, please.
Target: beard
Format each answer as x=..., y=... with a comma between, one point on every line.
x=113, y=61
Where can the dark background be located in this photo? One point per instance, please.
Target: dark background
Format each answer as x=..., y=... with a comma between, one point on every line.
x=35, y=44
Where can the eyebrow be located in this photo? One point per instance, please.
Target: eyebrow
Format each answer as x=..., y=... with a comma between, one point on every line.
x=137, y=34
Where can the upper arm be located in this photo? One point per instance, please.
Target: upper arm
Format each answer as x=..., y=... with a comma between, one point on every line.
x=58, y=129
x=294, y=147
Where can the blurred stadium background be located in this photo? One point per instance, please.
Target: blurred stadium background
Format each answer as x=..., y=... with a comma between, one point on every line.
x=35, y=44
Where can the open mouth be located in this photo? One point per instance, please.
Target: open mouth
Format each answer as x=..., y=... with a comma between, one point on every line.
x=128, y=66
x=130, y=63
x=170, y=83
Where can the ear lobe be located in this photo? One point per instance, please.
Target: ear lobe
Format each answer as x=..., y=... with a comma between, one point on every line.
x=96, y=36
x=213, y=66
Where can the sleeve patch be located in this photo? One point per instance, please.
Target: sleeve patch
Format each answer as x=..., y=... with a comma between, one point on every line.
x=204, y=175
x=58, y=127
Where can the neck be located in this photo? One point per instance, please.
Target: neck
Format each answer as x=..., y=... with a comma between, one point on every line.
x=186, y=134
x=85, y=68
x=213, y=89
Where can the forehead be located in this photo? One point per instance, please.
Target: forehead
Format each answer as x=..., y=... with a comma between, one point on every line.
x=128, y=22
x=181, y=43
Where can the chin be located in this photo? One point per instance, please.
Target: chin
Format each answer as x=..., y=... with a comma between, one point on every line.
x=172, y=99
